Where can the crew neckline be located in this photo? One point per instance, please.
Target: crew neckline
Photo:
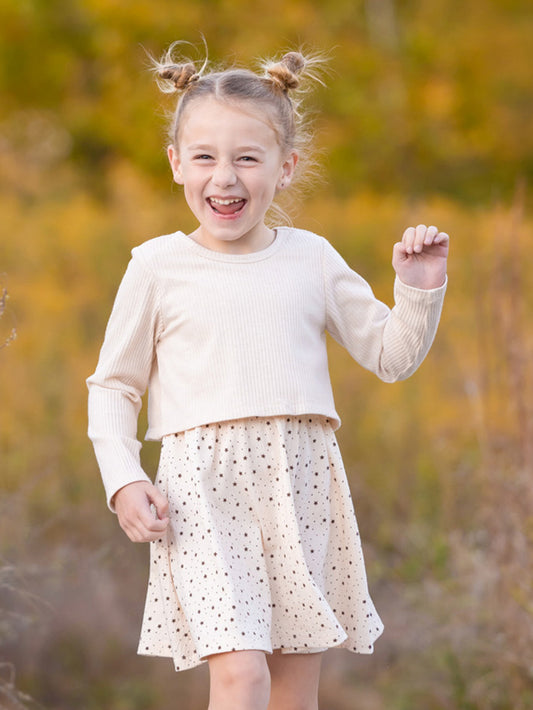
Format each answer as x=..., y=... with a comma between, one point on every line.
x=259, y=255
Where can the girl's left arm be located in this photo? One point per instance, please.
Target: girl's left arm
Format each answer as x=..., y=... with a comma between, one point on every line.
x=392, y=343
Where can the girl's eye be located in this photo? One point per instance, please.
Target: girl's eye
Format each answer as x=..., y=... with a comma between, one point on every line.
x=204, y=156
x=247, y=159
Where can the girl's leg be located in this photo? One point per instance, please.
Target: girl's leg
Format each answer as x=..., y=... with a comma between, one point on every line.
x=239, y=680
x=294, y=680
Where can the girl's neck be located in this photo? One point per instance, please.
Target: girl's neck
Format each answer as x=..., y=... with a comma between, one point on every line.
x=248, y=244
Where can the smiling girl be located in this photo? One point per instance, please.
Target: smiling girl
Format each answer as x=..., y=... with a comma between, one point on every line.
x=256, y=562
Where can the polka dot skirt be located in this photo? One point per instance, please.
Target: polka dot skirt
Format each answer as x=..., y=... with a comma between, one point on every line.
x=262, y=551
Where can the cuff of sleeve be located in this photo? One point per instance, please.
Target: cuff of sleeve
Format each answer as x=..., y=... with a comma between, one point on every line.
x=419, y=305
x=119, y=463
x=112, y=490
x=430, y=294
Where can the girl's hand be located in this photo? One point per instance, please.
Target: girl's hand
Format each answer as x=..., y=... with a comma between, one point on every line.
x=420, y=258
x=135, y=504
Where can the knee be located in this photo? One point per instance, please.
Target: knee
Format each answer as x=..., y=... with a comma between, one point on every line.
x=250, y=673
x=243, y=672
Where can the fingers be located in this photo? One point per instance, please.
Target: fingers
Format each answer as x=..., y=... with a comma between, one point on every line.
x=142, y=511
x=160, y=503
x=416, y=238
x=144, y=528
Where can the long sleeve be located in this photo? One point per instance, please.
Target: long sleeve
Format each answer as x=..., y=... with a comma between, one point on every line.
x=121, y=378
x=390, y=343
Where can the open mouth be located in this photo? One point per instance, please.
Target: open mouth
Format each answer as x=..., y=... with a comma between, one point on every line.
x=230, y=206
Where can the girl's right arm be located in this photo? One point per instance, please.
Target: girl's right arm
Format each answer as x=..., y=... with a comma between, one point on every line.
x=121, y=378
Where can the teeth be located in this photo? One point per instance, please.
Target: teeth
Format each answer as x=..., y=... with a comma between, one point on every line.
x=225, y=202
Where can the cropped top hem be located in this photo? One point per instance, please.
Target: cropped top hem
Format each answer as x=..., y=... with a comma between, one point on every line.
x=284, y=410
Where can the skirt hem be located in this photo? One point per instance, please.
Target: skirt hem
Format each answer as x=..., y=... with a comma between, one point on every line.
x=189, y=663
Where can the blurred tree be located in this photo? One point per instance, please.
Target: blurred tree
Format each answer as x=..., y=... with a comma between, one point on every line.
x=418, y=101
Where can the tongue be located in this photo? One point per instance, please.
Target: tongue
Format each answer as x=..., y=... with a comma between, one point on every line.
x=227, y=209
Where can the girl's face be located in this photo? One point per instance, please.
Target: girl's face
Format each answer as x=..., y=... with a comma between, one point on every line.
x=230, y=163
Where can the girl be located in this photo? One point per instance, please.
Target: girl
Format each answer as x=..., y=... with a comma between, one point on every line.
x=256, y=563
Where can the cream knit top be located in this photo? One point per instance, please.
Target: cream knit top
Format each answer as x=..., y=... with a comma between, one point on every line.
x=216, y=336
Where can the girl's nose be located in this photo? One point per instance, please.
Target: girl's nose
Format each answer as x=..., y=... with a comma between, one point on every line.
x=224, y=175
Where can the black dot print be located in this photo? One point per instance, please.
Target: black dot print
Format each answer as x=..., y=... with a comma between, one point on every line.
x=262, y=551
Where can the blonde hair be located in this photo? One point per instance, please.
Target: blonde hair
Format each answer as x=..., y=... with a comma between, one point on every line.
x=277, y=91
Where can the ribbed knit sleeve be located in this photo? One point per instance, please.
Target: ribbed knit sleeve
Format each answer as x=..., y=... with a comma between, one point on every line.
x=122, y=376
x=390, y=343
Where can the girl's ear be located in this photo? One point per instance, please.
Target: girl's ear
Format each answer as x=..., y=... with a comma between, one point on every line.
x=287, y=170
x=175, y=164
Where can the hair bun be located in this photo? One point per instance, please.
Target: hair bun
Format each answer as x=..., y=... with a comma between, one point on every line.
x=285, y=72
x=294, y=61
x=180, y=75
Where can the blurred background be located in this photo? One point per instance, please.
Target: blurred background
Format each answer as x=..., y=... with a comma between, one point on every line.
x=426, y=118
